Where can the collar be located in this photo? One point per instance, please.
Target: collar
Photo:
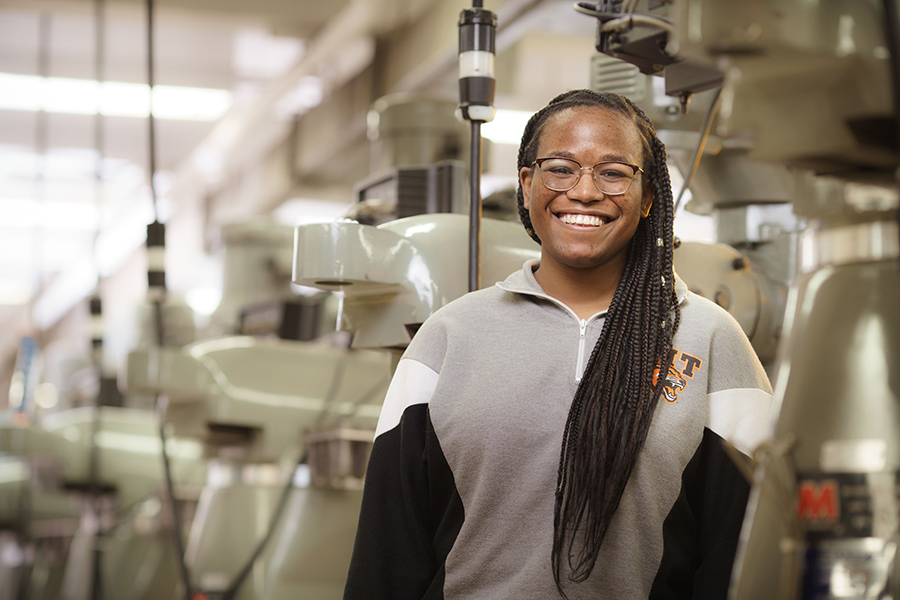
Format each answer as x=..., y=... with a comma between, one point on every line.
x=523, y=282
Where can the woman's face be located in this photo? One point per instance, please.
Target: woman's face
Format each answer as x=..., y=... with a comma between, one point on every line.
x=588, y=135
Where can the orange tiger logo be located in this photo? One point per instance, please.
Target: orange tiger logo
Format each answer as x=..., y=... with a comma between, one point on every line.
x=675, y=382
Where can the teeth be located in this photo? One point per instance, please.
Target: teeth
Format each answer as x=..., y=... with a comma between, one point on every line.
x=581, y=220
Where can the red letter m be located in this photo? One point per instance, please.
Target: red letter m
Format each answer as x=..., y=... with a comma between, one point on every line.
x=818, y=501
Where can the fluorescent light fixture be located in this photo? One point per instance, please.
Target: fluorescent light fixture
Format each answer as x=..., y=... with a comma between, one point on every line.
x=48, y=214
x=18, y=165
x=507, y=126
x=85, y=96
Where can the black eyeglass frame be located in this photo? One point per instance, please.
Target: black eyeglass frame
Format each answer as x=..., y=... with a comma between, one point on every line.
x=634, y=168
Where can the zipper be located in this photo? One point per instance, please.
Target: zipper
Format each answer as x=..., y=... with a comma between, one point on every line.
x=579, y=369
x=582, y=324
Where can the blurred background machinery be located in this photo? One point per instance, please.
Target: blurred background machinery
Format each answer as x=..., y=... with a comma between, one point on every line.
x=210, y=438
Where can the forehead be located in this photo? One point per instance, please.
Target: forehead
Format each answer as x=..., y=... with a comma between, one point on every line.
x=592, y=130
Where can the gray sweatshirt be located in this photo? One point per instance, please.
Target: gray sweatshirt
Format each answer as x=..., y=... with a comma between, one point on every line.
x=459, y=495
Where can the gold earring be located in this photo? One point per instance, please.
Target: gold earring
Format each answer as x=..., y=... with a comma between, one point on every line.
x=646, y=211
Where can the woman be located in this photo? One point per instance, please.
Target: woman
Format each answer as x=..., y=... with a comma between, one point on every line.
x=512, y=460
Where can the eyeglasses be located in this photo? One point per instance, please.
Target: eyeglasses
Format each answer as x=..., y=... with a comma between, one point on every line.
x=610, y=177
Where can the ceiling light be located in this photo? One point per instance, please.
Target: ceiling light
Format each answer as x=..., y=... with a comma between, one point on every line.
x=85, y=96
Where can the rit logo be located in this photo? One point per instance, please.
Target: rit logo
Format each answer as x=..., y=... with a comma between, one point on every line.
x=682, y=369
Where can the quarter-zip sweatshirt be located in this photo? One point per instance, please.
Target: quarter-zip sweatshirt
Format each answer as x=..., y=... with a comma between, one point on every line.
x=459, y=494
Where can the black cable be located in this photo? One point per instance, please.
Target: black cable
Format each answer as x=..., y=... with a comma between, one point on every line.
x=892, y=34
x=231, y=592
x=151, y=121
x=100, y=75
x=156, y=281
x=184, y=575
x=97, y=334
x=170, y=492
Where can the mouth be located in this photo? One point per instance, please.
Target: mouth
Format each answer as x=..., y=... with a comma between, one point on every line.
x=581, y=219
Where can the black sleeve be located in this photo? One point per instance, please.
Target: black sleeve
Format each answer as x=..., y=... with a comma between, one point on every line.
x=410, y=515
x=702, y=530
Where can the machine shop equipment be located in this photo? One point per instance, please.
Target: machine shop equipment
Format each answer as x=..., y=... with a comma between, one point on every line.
x=53, y=458
x=811, y=88
x=394, y=276
x=252, y=403
x=749, y=269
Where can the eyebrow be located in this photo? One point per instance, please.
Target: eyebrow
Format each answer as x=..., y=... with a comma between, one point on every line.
x=606, y=158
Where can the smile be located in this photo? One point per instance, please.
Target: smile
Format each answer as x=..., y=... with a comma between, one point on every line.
x=579, y=219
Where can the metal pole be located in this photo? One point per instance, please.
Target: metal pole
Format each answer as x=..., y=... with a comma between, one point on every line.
x=477, y=31
x=475, y=209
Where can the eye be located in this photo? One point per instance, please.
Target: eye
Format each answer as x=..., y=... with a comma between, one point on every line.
x=560, y=167
x=559, y=170
x=612, y=174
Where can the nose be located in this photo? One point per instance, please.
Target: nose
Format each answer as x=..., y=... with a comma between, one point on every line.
x=585, y=189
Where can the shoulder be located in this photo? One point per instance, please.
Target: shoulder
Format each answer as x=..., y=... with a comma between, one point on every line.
x=458, y=319
x=469, y=309
x=714, y=334
x=703, y=319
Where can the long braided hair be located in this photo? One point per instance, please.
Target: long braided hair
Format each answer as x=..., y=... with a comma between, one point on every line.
x=610, y=415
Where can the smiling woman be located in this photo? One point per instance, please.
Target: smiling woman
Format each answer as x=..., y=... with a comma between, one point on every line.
x=512, y=460
x=580, y=226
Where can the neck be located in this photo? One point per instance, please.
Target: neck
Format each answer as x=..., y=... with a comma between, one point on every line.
x=585, y=291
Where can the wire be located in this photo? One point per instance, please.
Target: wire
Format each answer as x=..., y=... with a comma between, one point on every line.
x=698, y=152
x=151, y=121
x=160, y=333
x=97, y=353
x=231, y=592
x=170, y=493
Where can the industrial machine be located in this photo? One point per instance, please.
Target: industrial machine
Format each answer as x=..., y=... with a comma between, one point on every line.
x=259, y=407
x=261, y=400
x=85, y=486
x=809, y=89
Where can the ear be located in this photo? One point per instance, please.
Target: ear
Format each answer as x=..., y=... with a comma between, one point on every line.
x=526, y=174
x=646, y=202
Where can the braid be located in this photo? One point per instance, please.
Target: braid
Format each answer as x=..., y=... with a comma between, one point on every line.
x=610, y=416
